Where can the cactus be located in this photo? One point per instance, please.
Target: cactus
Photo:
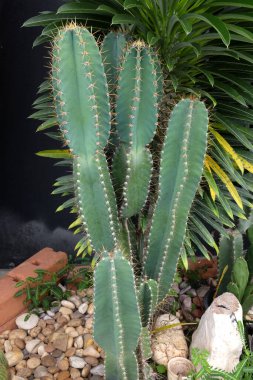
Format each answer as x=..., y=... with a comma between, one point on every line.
x=4, y=368
x=117, y=323
x=180, y=173
x=231, y=248
x=234, y=275
x=109, y=185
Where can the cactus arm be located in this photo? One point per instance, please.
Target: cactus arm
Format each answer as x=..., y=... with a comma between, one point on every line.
x=136, y=117
x=81, y=102
x=113, y=47
x=147, y=296
x=117, y=321
x=180, y=173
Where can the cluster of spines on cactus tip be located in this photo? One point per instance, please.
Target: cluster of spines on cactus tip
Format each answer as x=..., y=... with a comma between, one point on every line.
x=181, y=167
x=81, y=99
x=117, y=313
x=136, y=122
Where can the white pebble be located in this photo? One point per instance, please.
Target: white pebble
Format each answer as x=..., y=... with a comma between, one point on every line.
x=68, y=304
x=28, y=324
x=83, y=308
x=77, y=362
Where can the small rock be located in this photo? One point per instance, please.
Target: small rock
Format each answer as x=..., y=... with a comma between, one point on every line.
x=98, y=370
x=17, y=333
x=28, y=324
x=41, y=349
x=62, y=320
x=86, y=371
x=68, y=304
x=65, y=311
x=75, y=323
x=78, y=342
x=50, y=313
x=77, y=315
x=187, y=303
x=89, y=323
x=33, y=363
x=70, y=351
x=201, y=292
x=35, y=331
x=71, y=332
x=76, y=362
x=32, y=346
x=56, y=353
x=91, y=351
x=24, y=372
x=60, y=341
x=91, y=360
x=63, y=375
x=184, y=290
x=83, y=308
x=14, y=357
x=19, y=343
x=49, y=348
x=18, y=378
x=74, y=373
x=76, y=300
x=21, y=364
x=7, y=346
x=90, y=309
x=40, y=372
x=63, y=364
x=48, y=361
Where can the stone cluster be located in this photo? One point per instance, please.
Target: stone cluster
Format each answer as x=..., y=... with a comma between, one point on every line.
x=57, y=344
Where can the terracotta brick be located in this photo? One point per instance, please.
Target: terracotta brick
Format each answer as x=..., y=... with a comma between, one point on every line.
x=46, y=259
x=11, y=307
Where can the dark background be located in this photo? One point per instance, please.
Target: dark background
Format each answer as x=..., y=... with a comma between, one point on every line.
x=28, y=221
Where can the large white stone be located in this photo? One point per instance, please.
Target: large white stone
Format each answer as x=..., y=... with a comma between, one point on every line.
x=217, y=332
x=169, y=343
x=26, y=321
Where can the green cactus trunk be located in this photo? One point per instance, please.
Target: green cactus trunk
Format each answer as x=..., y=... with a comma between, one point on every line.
x=136, y=117
x=180, y=173
x=82, y=106
x=117, y=323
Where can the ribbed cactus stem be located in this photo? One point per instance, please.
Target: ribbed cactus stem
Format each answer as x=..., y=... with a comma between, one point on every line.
x=180, y=172
x=81, y=102
x=136, y=116
x=117, y=319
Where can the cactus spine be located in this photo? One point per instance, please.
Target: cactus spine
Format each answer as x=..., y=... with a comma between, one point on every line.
x=83, y=106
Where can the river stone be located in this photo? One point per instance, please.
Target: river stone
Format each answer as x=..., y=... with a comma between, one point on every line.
x=14, y=357
x=68, y=304
x=40, y=372
x=17, y=333
x=28, y=324
x=99, y=370
x=60, y=341
x=65, y=310
x=169, y=343
x=33, y=363
x=83, y=308
x=32, y=346
x=91, y=351
x=76, y=362
x=48, y=361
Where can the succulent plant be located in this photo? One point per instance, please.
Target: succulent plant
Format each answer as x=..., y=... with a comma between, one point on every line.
x=234, y=272
x=132, y=196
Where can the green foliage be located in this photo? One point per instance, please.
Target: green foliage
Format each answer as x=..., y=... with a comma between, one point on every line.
x=205, y=48
x=4, y=368
x=43, y=291
x=243, y=370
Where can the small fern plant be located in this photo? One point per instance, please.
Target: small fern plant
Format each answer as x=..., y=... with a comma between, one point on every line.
x=243, y=371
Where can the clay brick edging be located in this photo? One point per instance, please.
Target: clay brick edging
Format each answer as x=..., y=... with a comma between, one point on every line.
x=11, y=307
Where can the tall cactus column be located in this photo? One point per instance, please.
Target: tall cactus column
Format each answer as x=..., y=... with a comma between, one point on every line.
x=82, y=106
x=180, y=172
x=136, y=116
